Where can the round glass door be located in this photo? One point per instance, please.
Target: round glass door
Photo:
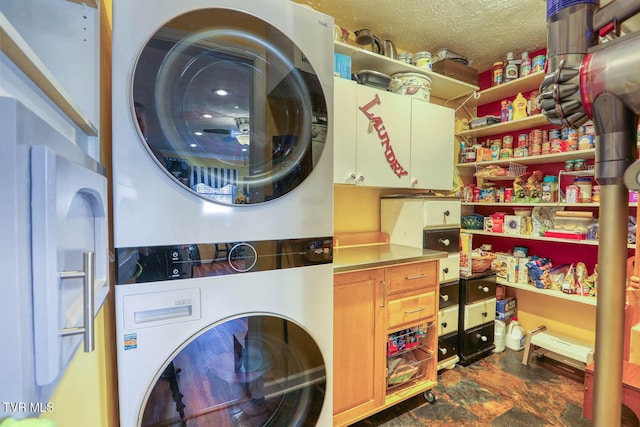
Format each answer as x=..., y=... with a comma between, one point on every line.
x=252, y=371
x=229, y=107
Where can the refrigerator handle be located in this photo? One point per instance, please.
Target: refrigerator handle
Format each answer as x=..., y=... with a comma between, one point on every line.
x=87, y=273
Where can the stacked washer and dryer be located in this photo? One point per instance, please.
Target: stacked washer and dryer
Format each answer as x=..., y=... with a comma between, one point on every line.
x=223, y=206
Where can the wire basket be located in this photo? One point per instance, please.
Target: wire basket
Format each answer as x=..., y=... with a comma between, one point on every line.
x=515, y=169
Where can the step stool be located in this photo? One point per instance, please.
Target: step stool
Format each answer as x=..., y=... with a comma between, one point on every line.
x=566, y=350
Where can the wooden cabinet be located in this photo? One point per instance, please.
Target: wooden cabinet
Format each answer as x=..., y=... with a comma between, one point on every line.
x=387, y=140
x=358, y=362
x=385, y=337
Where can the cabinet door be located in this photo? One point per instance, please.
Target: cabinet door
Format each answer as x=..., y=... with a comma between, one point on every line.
x=359, y=356
x=432, y=146
x=383, y=138
x=344, y=133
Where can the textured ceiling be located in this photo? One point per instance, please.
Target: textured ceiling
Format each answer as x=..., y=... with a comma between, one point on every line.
x=481, y=30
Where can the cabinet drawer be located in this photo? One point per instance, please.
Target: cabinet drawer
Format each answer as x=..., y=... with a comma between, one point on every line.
x=449, y=295
x=477, y=288
x=450, y=268
x=479, y=312
x=444, y=212
x=410, y=309
x=447, y=320
x=447, y=346
x=477, y=340
x=442, y=239
x=420, y=275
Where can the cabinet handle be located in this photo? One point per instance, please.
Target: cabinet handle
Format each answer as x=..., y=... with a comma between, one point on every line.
x=444, y=324
x=445, y=242
x=445, y=270
x=481, y=337
x=87, y=274
x=361, y=178
x=422, y=276
x=417, y=310
x=414, y=182
x=484, y=314
x=352, y=176
x=444, y=297
x=483, y=289
x=447, y=213
x=443, y=350
x=384, y=293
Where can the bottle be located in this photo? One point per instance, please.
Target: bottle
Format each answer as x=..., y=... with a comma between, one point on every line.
x=497, y=73
x=519, y=107
x=500, y=330
x=525, y=64
x=510, y=68
x=515, y=335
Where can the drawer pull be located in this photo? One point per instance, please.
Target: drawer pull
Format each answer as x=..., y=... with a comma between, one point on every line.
x=352, y=176
x=445, y=270
x=422, y=276
x=384, y=293
x=417, y=310
x=361, y=178
x=443, y=350
x=444, y=297
x=447, y=213
x=444, y=242
x=483, y=289
x=484, y=314
x=444, y=324
x=481, y=337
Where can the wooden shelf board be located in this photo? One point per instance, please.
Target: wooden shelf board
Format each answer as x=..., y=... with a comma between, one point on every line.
x=505, y=127
x=532, y=160
x=511, y=89
x=550, y=292
x=442, y=87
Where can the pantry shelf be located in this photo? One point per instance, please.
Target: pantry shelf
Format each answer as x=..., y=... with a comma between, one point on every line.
x=507, y=90
x=542, y=238
x=470, y=168
x=550, y=292
x=442, y=87
x=505, y=127
x=568, y=205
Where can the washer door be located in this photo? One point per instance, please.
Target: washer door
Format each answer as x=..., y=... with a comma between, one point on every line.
x=258, y=370
x=229, y=107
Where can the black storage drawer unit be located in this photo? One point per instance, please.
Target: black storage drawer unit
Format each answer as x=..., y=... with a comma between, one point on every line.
x=476, y=343
x=477, y=287
x=447, y=346
x=449, y=294
x=442, y=239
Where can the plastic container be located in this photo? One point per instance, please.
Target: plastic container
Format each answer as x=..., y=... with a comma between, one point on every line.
x=585, y=184
x=422, y=60
x=411, y=84
x=499, y=335
x=515, y=335
x=525, y=64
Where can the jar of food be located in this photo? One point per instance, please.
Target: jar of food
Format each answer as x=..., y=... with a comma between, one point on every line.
x=497, y=73
x=584, y=183
x=595, y=194
x=578, y=165
x=549, y=189
x=568, y=165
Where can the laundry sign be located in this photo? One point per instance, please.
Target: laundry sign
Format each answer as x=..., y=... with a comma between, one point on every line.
x=377, y=123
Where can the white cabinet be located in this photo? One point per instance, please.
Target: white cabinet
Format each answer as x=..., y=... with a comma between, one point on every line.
x=387, y=140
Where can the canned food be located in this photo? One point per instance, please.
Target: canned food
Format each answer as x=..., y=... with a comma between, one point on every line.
x=497, y=73
x=506, y=153
x=595, y=194
x=507, y=141
x=537, y=63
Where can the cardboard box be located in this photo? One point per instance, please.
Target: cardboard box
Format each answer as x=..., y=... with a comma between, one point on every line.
x=506, y=315
x=513, y=224
x=342, y=65
x=523, y=271
x=504, y=305
x=512, y=269
x=466, y=249
x=450, y=68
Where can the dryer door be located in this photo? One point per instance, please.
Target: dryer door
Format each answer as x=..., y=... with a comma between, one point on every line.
x=228, y=106
x=257, y=370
